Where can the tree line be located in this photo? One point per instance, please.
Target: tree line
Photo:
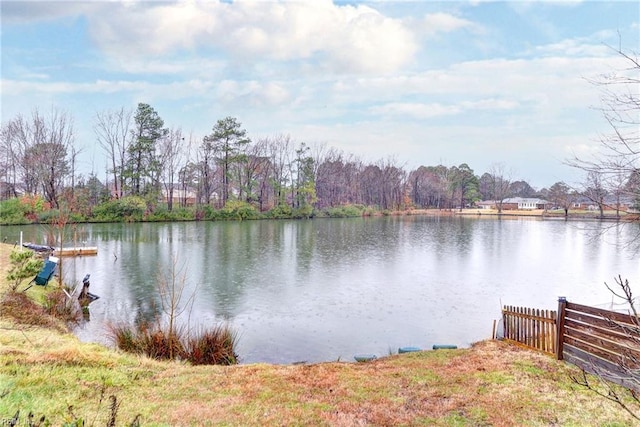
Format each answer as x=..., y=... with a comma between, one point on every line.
x=148, y=160
x=151, y=166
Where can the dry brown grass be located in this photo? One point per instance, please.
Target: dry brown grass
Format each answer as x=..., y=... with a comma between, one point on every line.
x=490, y=384
x=24, y=311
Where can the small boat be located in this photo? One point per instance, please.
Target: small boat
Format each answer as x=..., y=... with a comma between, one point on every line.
x=38, y=248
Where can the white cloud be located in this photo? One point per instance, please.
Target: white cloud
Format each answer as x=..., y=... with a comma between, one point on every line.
x=443, y=23
x=574, y=48
x=252, y=94
x=416, y=110
x=197, y=67
x=428, y=111
x=337, y=38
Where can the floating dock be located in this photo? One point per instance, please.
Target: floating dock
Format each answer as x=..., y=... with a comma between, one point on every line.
x=77, y=251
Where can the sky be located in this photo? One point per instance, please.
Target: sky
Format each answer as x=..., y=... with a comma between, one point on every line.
x=413, y=82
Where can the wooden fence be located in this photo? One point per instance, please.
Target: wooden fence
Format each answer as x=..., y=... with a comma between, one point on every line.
x=602, y=342
x=531, y=327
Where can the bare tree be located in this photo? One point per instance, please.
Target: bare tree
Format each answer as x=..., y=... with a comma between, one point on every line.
x=337, y=179
x=619, y=156
x=39, y=147
x=594, y=190
x=619, y=153
x=8, y=162
x=279, y=152
x=394, y=180
x=206, y=163
x=171, y=286
x=20, y=137
x=172, y=154
x=370, y=179
x=500, y=183
x=113, y=130
x=255, y=167
x=617, y=188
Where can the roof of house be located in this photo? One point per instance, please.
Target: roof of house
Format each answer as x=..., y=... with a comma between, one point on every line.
x=525, y=200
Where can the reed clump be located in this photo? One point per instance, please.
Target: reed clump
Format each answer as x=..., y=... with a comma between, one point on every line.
x=214, y=346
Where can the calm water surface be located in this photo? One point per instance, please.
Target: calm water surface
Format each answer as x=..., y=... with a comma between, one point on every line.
x=328, y=289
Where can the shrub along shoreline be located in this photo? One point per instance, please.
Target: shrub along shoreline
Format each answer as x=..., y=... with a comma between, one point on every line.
x=46, y=371
x=34, y=210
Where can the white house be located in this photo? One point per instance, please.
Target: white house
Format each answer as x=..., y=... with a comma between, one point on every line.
x=524, y=203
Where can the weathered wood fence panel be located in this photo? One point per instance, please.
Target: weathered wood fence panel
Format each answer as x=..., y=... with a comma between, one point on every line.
x=531, y=327
x=602, y=342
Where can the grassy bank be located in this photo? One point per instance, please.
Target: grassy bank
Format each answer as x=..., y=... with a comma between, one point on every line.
x=50, y=373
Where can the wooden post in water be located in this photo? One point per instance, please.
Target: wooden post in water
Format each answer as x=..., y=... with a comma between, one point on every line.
x=562, y=305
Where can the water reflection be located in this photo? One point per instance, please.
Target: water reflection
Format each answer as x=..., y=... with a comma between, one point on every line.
x=328, y=289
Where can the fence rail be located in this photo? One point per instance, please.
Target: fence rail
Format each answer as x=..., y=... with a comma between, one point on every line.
x=603, y=342
x=531, y=327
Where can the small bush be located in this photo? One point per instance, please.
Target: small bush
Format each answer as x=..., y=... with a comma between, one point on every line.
x=346, y=211
x=182, y=214
x=304, y=212
x=131, y=208
x=238, y=210
x=206, y=212
x=162, y=213
x=48, y=217
x=59, y=305
x=12, y=212
x=24, y=265
x=282, y=211
x=33, y=205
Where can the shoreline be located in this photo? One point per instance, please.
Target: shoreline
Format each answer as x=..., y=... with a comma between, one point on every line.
x=534, y=213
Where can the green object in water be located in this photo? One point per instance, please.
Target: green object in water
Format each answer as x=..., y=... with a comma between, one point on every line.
x=444, y=347
x=408, y=349
x=364, y=357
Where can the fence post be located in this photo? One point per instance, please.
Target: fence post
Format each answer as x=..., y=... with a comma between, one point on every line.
x=562, y=305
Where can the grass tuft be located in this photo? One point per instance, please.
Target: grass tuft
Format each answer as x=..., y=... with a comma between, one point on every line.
x=208, y=347
x=212, y=347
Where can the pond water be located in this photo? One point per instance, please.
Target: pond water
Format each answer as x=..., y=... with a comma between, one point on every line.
x=327, y=289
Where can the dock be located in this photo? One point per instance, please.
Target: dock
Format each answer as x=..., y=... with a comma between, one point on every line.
x=76, y=251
